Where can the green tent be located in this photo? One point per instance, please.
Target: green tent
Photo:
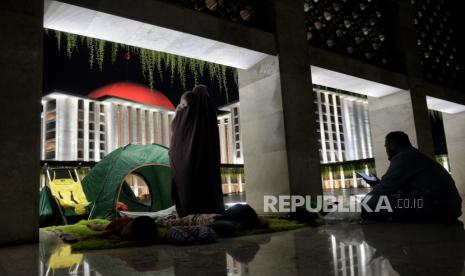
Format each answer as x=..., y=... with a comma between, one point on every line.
x=48, y=208
x=104, y=185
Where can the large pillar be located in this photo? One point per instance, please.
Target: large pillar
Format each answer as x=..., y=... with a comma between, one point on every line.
x=263, y=134
x=21, y=85
x=454, y=128
x=390, y=113
x=277, y=115
x=407, y=37
x=297, y=98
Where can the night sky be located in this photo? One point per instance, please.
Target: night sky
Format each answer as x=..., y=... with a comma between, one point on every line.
x=75, y=76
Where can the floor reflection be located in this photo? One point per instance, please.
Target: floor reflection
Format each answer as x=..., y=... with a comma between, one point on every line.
x=420, y=249
x=223, y=258
x=340, y=249
x=397, y=248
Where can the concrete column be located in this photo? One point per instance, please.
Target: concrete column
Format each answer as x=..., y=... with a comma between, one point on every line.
x=407, y=37
x=21, y=84
x=297, y=99
x=86, y=131
x=228, y=181
x=97, y=132
x=454, y=128
x=390, y=113
x=223, y=145
x=239, y=183
x=263, y=134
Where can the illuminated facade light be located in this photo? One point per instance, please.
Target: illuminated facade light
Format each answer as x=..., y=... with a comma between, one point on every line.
x=81, y=129
x=76, y=128
x=343, y=126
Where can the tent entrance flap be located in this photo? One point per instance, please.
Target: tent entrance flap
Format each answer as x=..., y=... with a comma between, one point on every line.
x=155, y=177
x=105, y=185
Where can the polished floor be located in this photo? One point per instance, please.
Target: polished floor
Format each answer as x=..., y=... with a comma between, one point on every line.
x=339, y=248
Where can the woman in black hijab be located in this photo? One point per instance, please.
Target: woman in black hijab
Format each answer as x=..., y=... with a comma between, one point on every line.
x=195, y=156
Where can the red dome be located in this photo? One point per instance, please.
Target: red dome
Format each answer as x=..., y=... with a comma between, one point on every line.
x=133, y=92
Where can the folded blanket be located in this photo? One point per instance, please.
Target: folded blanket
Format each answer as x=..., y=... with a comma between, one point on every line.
x=190, y=220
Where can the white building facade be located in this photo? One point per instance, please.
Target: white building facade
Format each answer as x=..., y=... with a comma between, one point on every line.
x=82, y=129
x=76, y=128
x=344, y=126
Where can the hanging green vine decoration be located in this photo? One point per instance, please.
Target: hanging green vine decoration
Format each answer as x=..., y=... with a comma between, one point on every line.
x=181, y=70
x=201, y=67
x=195, y=73
x=158, y=59
x=71, y=44
x=172, y=65
x=435, y=115
x=224, y=79
x=143, y=62
x=150, y=61
x=100, y=53
x=114, y=52
x=58, y=37
x=90, y=46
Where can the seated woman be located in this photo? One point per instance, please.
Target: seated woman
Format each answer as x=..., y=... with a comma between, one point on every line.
x=195, y=156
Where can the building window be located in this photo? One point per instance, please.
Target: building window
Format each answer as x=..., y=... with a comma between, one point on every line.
x=91, y=106
x=80, y=134
x=102, y=127
x=50, y=135
x=102, y=137
x=51, y=105
x=80, y=154
x=91, y=155
x=323, y=109
x=91, y=145
x=235, y=111
x=91, y=135
x=81, y=125
x=102, y=146
x=51, y=116
x=50, y=155
x=238, y=154
x=81, y=105
x=50, y=125
x=81, y=115
x=91, y=126
x=50, y=146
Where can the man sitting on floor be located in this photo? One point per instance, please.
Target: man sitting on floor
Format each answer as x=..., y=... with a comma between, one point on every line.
x=417, y=187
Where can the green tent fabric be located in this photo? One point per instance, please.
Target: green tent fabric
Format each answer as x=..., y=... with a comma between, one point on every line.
x=104, y=185
x=48, y=209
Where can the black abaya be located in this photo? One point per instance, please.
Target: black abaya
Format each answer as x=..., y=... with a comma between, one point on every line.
x=195, y=157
